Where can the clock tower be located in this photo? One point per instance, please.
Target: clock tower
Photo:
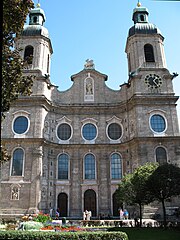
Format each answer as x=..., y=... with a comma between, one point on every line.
x=144, y=45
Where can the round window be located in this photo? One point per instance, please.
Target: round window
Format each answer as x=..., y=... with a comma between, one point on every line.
x=89, y=131
x=114, y=131
x=20, y=125
x=64, y=131
x=158, y=123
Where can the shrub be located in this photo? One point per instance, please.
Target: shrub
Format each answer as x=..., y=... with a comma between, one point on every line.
x=41, y=217
x=20, y=235
x=31, y=225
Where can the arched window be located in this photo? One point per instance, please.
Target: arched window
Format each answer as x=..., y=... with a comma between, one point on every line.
x=161, y=155
x=149, y=53
x=89, y=166
x=17, y=162
x=116, y=166
x=28, y=54
x=142, y=18
x=63, y=166
x=35, y=19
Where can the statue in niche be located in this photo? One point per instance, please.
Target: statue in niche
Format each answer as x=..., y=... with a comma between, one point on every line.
x=89, y=87
x=15, y=193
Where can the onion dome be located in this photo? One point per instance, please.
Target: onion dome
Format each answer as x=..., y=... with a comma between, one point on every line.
x=141, y=24
x=36, y=21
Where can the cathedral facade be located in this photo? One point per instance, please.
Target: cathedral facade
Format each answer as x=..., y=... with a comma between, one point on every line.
x=70, y=149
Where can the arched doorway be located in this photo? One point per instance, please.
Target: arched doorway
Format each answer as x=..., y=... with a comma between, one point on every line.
x=90, y=201
x=116, y=205
x=62, y=204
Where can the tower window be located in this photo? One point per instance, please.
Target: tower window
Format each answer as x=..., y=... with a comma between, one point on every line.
x=48, y=64
x=149, y=53
x=28, y=54
x=17, y=162
x=142, y=18
x=35, y=19
x=161, y=155
x=158, y=123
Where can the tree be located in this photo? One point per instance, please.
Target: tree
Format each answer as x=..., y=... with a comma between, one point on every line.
x=164, y=184
x=132, y=189
x=14, y=83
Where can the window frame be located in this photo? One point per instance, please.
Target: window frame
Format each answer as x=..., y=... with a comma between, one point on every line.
x=64, y=140
x=165, y=150
x=91, y=140
x=165, y=122
x=68, y=167
x=121, y=167
x=12, y=160
x=149, y=53
x=108, y=133
x=84, y=167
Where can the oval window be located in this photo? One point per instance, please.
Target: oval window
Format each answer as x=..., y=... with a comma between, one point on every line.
x=20, y=125
x=158, y=123
x=64, y=131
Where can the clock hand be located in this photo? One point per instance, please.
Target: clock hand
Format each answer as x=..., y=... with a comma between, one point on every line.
x=154, y=81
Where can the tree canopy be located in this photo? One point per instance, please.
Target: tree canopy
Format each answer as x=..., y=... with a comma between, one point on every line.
x=164, y=183
x=14, y=83
x=133, y=189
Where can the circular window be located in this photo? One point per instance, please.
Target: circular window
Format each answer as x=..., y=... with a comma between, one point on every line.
x=114, y=131
x=158, y=123
x=89, y=131
x=20, y=125
x=64, y=131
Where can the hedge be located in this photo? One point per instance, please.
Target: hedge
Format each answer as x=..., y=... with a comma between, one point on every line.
x=39, y=235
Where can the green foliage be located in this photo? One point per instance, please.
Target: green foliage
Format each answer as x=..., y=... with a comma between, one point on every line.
x=13, y=81
x=4, y=157
x=164, y=182
x=62, y=236
x=31, y=225
x=149, y=233
x=132, y=189
x=43, y=218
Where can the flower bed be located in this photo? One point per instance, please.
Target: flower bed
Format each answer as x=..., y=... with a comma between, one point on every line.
x=62, y=228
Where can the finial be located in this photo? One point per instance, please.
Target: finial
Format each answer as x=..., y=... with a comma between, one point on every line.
x=138, y=4
x=38, y=4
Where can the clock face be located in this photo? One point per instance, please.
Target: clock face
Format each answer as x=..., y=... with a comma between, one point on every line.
x=153, y=80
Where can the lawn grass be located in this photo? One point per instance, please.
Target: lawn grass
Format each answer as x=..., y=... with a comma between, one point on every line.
x=151, y=233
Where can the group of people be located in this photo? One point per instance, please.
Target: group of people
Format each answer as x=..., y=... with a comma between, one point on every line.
x=123, y=214
x=54, y=213
x=87, y=215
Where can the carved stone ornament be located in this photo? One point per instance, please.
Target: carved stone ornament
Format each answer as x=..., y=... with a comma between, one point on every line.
x=89, y=64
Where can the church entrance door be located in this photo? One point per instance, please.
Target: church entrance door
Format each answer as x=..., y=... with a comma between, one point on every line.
x=62, y=204
x=90, y=201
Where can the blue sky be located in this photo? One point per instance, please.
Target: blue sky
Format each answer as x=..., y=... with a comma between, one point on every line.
x=97, y=29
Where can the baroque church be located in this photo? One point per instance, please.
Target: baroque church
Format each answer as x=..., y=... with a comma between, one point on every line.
x=70, y=149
